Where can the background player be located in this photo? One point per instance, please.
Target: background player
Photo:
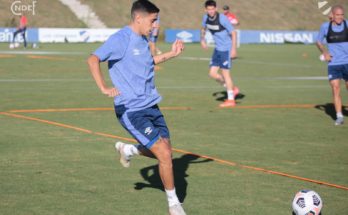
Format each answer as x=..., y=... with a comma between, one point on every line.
x=21, y=29
x=336, y=34
x=225, y=48
x=231, y=16
x=154, y=37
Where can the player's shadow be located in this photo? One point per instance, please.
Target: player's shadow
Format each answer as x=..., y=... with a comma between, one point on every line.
x=329, y=109
x=222, y=96
x=180, y=167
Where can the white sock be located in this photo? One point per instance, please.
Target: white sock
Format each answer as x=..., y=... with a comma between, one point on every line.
x=339, y=115
x=130, y=150
x=172, y=197
x=230, y=95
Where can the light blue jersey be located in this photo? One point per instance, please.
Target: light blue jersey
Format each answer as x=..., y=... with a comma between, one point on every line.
x=338, y=51
x=222, y=32
x=131, y=69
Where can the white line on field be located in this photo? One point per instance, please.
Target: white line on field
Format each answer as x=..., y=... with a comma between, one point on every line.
x=301, y=78
x=253, y=62
x=42, y=53
x=43, y=80
x=306, y=78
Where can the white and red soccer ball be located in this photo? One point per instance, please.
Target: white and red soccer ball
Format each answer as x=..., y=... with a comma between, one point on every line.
x=307, y=202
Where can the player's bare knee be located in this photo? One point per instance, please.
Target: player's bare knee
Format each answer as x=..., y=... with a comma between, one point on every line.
x=163, y=149
x=336, y=90
x=166, y=163
x=212, y=75
x=165, y=159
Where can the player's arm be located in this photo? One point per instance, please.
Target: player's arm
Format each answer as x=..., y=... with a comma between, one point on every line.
x=234, y=44
x=319, y=43
x=94, y=67
x=203, y=42
x=177, y=48
x=324, y=51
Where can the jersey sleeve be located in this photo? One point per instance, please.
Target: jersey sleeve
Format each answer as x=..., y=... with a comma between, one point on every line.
x=322, y=33
x=226, y=23
x=204, y=21
x=114, y=48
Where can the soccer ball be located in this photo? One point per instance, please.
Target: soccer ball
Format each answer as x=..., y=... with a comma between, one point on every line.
x=11, y=46
x=307, y=202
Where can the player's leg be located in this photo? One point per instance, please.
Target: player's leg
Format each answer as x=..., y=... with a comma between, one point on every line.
x=149, y=128
x=127, y=151
x=24, y=37
x=232, y=90
x=214, y=74
x=166, y=168
x=335, y=75
x=141, y=128
x=335, y=86
x=163, y=151
x=145, y=130
x=214, y=68
x=228, y=80
x=15, y=35
x=345, y=75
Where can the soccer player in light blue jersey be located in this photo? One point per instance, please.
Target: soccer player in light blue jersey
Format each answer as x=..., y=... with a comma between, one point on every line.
x=336, y=34
x=131, y=69
x=225, y=39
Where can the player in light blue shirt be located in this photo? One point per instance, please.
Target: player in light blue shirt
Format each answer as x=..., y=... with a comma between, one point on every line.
x=222, y=36
x=335, y=34
x=225, y=49
x=131, y=69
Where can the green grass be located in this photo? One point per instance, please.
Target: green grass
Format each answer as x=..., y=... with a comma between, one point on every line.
x=47, y=169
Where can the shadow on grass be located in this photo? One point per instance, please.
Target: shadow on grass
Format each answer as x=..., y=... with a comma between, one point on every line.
x=329, y=109
x=222, y=96
x=180, y=166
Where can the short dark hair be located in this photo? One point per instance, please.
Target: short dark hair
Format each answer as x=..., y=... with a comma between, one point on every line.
x=225, y=7
x=210, y=3
x=143, y=6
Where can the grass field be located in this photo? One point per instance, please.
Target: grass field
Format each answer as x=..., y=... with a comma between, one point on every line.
x=57, y=156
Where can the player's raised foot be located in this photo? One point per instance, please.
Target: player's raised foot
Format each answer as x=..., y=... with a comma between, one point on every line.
x=227, y=104
x=339, y=121
x=124, y=160
x=235, y=91
x=176, y=210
